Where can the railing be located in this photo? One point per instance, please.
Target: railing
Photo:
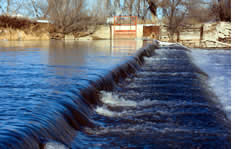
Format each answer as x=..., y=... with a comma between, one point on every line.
x=125, y=27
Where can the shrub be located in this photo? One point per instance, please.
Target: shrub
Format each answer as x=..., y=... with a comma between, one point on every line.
x=15, y=23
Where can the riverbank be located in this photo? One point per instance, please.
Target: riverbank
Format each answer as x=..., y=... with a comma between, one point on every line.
x=210, y=35
x=13, y=28
x=15, y=34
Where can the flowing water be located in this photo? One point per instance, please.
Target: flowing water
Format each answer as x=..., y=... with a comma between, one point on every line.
x=105, y=94
x=217, y=64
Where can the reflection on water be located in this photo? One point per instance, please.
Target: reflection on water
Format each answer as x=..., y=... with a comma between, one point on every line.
x=57, y=52
x=123, y=46
x=65, y=53
x=38, y=76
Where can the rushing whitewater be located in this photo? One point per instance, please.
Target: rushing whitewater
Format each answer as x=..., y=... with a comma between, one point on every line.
x=168, y=103
x=59, y=96
x=217, y=64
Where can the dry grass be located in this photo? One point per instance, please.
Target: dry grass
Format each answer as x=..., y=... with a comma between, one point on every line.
x=13, y=28
x=15, y=23
x=24, y=24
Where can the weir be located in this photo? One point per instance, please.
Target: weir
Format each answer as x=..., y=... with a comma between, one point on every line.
x=156, y=98
x=166, y=104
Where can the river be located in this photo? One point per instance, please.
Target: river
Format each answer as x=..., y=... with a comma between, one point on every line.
x=97, y=94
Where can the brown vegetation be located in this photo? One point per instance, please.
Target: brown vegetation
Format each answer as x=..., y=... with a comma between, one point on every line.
x=13, y=28
x=24, y=24
x=15, y=23
x=79, y=17
x=67, y=15
x=221, y=10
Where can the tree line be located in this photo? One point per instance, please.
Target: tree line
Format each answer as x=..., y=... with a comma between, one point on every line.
x=76, y=15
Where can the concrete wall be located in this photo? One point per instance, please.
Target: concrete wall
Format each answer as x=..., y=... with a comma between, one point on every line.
x=212, y=35
x=103, y=32
x=140, y=31
x=138, y=28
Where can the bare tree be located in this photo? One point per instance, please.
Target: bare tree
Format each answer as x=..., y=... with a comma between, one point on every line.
x=117, y=4
x=9, y=6
x=35, y=8
x=221, y=9
x=99, y=12
x=153, y=5
x=113, y=7
x=198, y=12
x=129, y=6
x=138, y=7
x=175, y=11
x=145, y=10
x=1, y=7
x=108, y=7
x=69, y=16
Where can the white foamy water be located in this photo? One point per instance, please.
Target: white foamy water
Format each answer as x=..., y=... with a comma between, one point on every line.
x=114, y=100
x=217, y=64
x=165, y=43
x=137, y=128
x=106, y=112
x=150, y=60
x=55, y=145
